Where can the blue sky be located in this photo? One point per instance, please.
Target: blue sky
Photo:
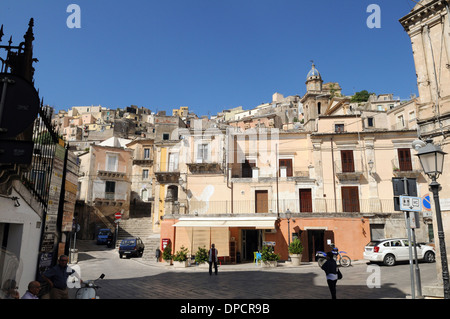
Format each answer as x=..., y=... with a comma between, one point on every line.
x=209, y=55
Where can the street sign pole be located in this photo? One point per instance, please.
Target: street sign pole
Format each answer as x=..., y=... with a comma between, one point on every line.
x=412, y=204
x=419, y=285
x=411, y=266
x=408, y=230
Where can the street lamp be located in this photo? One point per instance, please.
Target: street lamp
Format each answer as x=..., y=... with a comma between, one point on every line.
x=288, y=217
x=432, y=160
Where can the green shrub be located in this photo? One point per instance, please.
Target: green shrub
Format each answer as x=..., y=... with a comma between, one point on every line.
x=167, y=253
x=181, y=255
x=268, y=254
x=201, y=256
x=296, y=247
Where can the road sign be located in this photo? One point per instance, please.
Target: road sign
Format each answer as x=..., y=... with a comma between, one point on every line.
x=118, y=215
x=426, y=202
x=410, y=204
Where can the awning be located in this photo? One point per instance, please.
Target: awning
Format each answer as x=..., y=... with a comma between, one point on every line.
x=256, y=222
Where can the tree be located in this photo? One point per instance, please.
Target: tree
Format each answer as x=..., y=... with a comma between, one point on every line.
x=362, y=96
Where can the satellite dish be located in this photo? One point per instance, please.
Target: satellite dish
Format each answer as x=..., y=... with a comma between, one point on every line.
x=19, y=104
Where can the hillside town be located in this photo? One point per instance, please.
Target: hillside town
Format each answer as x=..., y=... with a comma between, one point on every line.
x=321, y=166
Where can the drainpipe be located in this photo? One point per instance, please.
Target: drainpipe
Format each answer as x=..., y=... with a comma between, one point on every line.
x=334, y=174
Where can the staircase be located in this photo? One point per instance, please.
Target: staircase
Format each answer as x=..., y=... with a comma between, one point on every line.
x=142, y=228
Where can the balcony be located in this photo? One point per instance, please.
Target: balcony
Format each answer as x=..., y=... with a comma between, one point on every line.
x=409, y=168
x=171, y=174
x=116, y=173
x=205, y=168
x=317, y=206
x=349, y=170
x=143, y=161
x=109, y=199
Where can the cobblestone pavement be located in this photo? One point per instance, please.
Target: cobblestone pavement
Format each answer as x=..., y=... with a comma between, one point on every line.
x=137, y=278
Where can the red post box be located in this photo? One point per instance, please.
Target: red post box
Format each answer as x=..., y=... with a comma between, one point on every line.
x=164, y=243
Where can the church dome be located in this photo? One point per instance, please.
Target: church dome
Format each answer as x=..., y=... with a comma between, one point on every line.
x=313, y=73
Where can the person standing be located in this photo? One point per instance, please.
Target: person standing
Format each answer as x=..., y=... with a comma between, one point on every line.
x=33, y=290
x=330, y=268
x=57, y=278
x=213, y=259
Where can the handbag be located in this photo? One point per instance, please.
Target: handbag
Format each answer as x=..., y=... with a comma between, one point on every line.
x=339, y=274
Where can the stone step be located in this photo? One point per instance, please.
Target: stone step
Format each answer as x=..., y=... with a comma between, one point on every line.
x=142, y=228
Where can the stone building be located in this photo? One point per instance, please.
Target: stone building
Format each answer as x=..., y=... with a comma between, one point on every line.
x=428, y=26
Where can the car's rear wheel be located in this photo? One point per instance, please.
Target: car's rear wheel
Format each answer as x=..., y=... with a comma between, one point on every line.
x=429, y=257
x=389, y=260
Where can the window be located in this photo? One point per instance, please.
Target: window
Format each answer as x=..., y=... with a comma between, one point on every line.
x=110, y=188
x=339, y=128
x=404, y=159
x=370, y=121
x=173, y=162
x=112, y=161
x=166, y=136
x=400, y=122
x=144, y=173
x=347, y=161
x=146, y=153
x=350, y=199
x=202, y=153
x=305, y=200
x=247, y=168
x=286, y=163
x=261, y=202
x=144, y=194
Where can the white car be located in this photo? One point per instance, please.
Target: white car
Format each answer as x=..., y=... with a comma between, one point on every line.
x=389, y=251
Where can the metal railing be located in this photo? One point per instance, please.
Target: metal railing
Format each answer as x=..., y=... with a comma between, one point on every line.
x=273, y=206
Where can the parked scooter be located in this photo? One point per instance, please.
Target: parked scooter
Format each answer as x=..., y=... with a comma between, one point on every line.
x=89, y=291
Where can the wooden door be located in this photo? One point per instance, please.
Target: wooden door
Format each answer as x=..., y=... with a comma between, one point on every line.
x=261, y=202
x=348, y=165
x=350, y=199
x=305, y=200
x=404, y=159
x=288, y=164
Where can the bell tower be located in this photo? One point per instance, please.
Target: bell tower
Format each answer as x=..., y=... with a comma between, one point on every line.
x=315, y=100
x=313, y=80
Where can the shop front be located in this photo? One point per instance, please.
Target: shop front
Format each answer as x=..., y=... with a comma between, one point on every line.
x=236, y=238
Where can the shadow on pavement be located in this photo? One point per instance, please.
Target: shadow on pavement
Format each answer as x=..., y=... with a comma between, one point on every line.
x=237, y=285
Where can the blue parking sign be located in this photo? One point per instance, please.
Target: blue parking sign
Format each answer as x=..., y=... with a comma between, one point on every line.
x=426, y=202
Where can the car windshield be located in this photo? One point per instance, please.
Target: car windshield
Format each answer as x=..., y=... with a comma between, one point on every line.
x=103, y=232
x=127, y=242
x=373, y=243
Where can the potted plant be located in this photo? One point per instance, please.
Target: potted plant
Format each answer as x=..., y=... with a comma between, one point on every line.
x=295, y=252
x=268, y=257
x=180, y=258
x=167, y=254
x=201, y=258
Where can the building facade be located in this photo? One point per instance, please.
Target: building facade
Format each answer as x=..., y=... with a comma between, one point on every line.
x=428, y=26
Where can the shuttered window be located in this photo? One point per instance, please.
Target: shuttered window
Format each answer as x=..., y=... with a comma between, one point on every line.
x=404, y=159
x=350, y=199
x=305, y=200
x=348, y=165
x=261, y=202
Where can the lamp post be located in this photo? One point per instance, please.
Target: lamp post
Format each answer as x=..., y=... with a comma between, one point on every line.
x=288, y=217
x=432, y=160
